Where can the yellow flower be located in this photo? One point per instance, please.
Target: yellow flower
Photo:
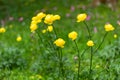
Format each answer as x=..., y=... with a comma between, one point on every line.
x=44, y=31
x=81, y=17
x=97, y=66
x=41, y=15
x=33, y=22
x=109, y=27
x=32, y=77
x=90, y=43
x=36, y=19
x=33, y=27
x=2, y=30
x=59, y=42
x=39, y=76
x=19, y=38
x=49, y=19
x=72, y=35
x=115, y=35
x=56, y=17
x=50, y=28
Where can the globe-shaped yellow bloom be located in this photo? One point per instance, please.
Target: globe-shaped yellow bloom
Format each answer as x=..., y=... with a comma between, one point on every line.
x=50, y=28
x=36, y=19
x=109, y=27
x=49, y=19
x=2, y=30
x=81, y=17
x=39, y=76
x=72, y=35
x=90, y=43
x=33, y=27
x=19, y=38
x=32, y=77
x=56, y=17
x=59, y=42
x=44, y=31
x=41, y=15
x=115, y=35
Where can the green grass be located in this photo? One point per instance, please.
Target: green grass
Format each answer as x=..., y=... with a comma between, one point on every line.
x=20, y=60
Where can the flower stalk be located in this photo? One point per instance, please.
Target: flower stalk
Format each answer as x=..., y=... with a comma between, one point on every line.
x=79, y=61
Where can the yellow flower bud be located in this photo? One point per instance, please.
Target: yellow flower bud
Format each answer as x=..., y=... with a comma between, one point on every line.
x=56, y=17
x=115, y=35
x=109, y=27
x=90, y=43
x=39, y=76
x=32, y=77
x=50, y=28
x=33, y=27
x=81, y=17
x=44, y=31
x=19, y=38
x=72, y=35
x=59, y=42
x=2, y=30
x=97, y=66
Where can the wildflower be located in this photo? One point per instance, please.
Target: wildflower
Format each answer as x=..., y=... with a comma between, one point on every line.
x=81, y=17
x=88, y=18
x=20, y=19
x=33, y=22
x=109, y=27
x=32, y=77
x=97, y=66
x=11, y=18
x=50, y=28
x=72, y=8
x=44, y=31
x=115, y=35
x=72, y=35
x=56, y=17
x=95, y=30
x=49, y=19
x=59, y=42
x=90, y=43
x=118, y=22
x=33, y=27
x=39, y=76
x=75, y=57
x=41, y=15
x=19, y=38
x=2, y=30
x=36, y=19
x=67, y=15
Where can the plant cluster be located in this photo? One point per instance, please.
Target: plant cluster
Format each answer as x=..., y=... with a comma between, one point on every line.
x=52, y=46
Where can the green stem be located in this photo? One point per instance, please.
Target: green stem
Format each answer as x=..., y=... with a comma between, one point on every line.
x=61, y=70
x=43, y=42
x=84, y=51
x=101, y=42
x=39, y=36
x=54, y=29
x=79, y=62
x=90, y=70
x=87, y=29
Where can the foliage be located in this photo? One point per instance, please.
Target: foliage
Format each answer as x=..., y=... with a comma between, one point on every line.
x=33, y=55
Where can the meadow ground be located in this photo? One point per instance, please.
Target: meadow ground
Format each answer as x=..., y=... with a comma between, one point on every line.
x=26, y=55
